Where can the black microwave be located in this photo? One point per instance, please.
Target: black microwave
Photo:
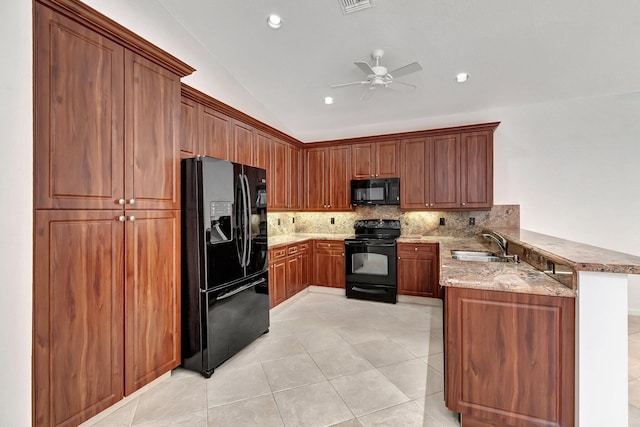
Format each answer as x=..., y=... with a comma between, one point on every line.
x=375, y=191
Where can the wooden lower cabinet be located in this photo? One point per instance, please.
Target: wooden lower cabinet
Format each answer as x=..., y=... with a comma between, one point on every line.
x=152, y=296
x=509, y=358
x=277, y=275
x=328, y=263
x=106, y=308
x=418, y=272
x=289, y=269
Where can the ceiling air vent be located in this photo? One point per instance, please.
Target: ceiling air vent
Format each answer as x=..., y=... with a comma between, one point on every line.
x=350, y=6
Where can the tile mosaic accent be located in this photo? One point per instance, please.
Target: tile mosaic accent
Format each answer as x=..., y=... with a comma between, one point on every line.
x=456, y=223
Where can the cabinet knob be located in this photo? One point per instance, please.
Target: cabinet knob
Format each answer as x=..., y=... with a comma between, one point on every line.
x=371, y=174
x=121, y=201
x=122, y=218
x=132, y=218
x=342, y=253
x=464, y=204
x=132, y=201
x=415, y=249
x=329, y=245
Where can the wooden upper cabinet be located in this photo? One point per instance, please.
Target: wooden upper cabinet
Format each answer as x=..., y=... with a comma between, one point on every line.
x=262, y=151
x=339, y=177
x=79, y=115
x=152, y=296
x=216, y=134
x=443, y=163
x=363, y=165
x=315, y=172
x=476, y=165
x=279, y=174
x=375, y=160
x=242, y=143
x=452, y=171
x=190, y=140
x=78, y=287
x=294, y=178
x=387, y=159
x=328, y=176
x=152, y=111
x=106, y=122
x=414, y=175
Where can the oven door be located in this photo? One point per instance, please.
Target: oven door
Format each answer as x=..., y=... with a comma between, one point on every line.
x=370, y=262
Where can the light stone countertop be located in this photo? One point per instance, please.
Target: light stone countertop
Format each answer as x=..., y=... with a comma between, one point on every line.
x=494, y=276
x=580, y=256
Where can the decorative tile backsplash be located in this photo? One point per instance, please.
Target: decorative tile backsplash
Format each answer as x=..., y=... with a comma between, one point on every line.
x=456, y=223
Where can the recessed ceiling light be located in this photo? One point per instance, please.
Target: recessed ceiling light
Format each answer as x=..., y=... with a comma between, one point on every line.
x=462, y=77
x=328, y=100
x=274, y=21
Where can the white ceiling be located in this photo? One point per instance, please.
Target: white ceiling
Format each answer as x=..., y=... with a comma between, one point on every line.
x=517, y=52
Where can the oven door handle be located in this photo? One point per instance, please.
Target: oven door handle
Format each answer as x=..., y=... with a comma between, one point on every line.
x=378, y=245
x=369, y=291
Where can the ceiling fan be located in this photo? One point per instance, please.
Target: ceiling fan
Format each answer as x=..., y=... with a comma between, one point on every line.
x=378, y=76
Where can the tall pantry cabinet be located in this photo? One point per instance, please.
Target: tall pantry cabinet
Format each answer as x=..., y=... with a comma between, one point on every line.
x=107, y=219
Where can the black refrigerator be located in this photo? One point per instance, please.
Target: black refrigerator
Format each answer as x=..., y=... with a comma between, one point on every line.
x=225, y=282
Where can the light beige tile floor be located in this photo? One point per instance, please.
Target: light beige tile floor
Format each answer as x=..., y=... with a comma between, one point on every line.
x=327, y=361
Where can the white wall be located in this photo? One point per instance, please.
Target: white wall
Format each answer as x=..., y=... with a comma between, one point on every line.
x=16, y=214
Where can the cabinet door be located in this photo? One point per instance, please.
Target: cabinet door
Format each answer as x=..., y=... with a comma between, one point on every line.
x=262, y=150
x=152, y=112
x=189, y=128
x=339, y=177
x=305, y=266
x=476, y=164
x=337, y=269
x=279, y=168
x=363, y=163
x=152, y=296
x=293, y=275
x=294, y=193
x=315, y=170
x=387, y=159
x=444, y=168
x=418, y=270
x=490, y=338
x=78, y=315
x=242, y=143
x=322, y=275
x=278, y=277
x=79, y=115
x=216, y=134
x=414, y=177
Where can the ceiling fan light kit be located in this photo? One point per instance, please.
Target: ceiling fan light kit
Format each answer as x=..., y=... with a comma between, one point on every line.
x=378, y=76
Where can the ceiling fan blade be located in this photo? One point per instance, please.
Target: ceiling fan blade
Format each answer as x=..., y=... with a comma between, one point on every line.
x=403, y=83
x=349, y=84
x=367, y=94
x=366, y=68
x=407, y=69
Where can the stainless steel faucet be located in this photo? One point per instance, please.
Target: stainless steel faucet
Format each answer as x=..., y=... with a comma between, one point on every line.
x=503, y=244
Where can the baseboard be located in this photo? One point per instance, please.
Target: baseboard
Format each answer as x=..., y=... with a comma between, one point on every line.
x=409, y=299
x=633, y=311
x=326, y=290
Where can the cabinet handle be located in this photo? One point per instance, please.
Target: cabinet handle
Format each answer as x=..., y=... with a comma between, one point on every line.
x=121, y=201
x=132, y=218
x=132, y=201
x=122, y=218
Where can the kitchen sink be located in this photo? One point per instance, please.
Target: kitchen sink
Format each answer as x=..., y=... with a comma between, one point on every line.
x=477, y=256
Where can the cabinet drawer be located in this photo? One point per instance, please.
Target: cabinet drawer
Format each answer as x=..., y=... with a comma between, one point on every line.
x=277, y=253
x=329, y=245
x=423, y=248
x=292, y=249
x=303, y=247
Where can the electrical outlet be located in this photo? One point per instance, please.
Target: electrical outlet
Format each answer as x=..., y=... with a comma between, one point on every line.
x=333, y=220
x=441, y=221
x=278, y=221
x=293, y=220
x=472, y=221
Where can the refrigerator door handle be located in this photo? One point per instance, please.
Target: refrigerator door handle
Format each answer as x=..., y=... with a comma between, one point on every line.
x=240, y=289
x=242, y=249
x=248, y=223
